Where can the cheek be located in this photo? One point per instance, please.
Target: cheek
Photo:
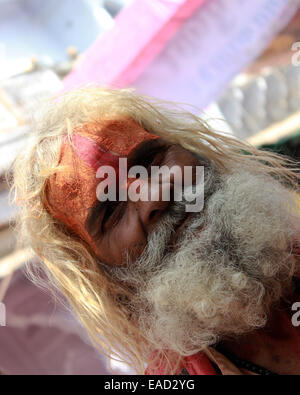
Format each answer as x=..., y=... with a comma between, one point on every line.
x=129, y=238
x=125, y=239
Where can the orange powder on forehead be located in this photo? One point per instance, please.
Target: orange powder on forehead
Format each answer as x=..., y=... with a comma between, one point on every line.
x=71, y=192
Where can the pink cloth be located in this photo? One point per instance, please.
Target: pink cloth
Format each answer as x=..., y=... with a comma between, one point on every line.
x=197, y=364
x=122, y=53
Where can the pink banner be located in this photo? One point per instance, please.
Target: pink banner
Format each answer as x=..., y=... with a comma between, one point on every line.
x=140, y=33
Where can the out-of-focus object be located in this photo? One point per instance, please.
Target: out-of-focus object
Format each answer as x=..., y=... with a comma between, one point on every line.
x=265, y=98
x=7, y=118
x=19, y=97
x=268, y=92
x=292, y=75
x=281, y=50
x=14, y=261
x=115, y=6
x=7, y=103
x=46, y=29
x=277, y=131
x=41, y=337
x=9, y=68
x=140, y=33
x=212, y=47
x=4, y=284
x=22, y=94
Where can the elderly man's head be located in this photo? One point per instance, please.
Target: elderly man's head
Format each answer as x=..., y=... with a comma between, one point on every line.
x=148, y=274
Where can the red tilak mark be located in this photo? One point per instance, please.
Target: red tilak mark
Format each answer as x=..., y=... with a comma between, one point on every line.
x=93, y=154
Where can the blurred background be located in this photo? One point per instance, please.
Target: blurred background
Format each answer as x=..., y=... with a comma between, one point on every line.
x=236, y=62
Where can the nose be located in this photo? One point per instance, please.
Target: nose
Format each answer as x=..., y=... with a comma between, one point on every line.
x=153, y=204
x=150, y=213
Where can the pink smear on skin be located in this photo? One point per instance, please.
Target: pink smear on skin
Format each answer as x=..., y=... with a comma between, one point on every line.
x=93, y=154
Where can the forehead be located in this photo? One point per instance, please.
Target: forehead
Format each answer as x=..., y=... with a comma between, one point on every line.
x=118, y=136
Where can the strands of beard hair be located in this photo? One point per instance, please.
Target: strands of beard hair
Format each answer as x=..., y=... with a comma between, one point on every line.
x=223, y=280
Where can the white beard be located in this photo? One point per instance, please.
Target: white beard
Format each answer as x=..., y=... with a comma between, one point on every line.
x=231, y=264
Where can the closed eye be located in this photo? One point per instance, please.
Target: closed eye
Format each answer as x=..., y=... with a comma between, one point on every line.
x=102, y=216
x=148, y=153
x=109, y=210
x=113, y=212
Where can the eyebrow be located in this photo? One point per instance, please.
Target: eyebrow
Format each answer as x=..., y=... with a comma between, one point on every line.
x=139, y=156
